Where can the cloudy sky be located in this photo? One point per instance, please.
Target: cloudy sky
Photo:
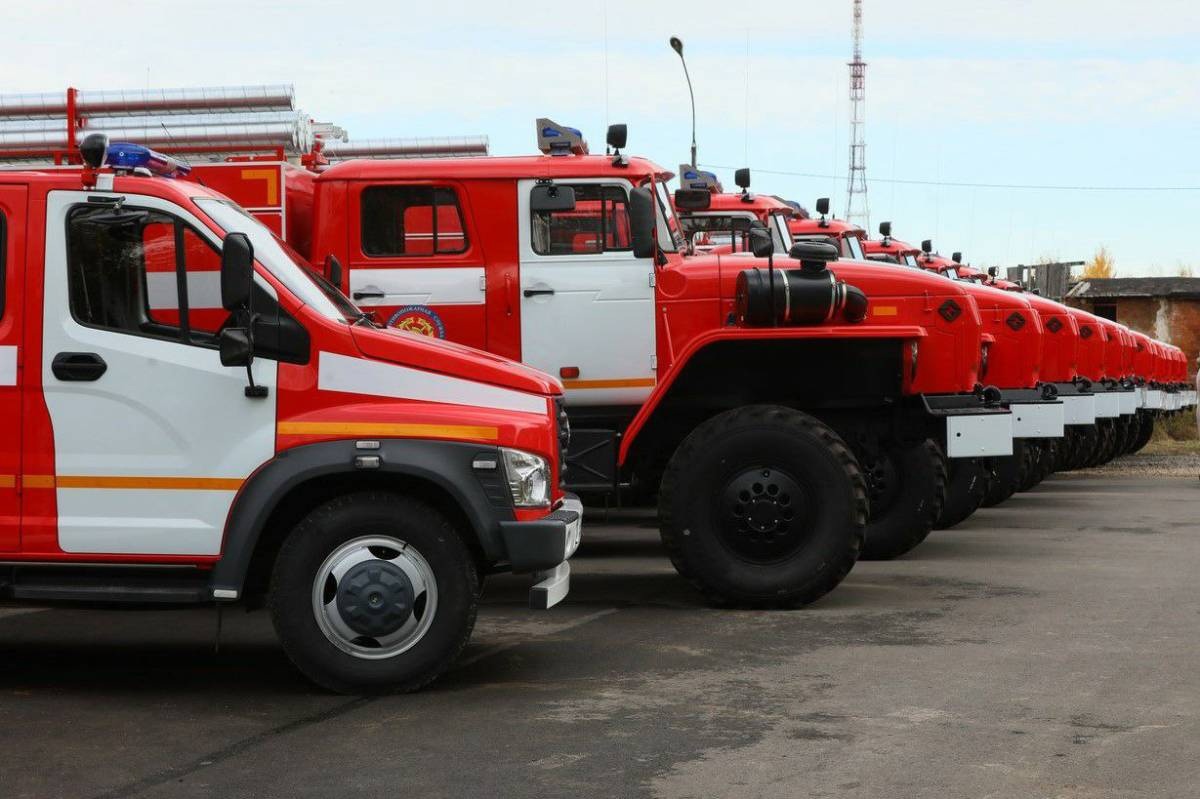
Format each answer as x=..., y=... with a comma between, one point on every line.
x=966, y=100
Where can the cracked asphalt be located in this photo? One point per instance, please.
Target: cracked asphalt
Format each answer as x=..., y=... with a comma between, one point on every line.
x=1045, y=648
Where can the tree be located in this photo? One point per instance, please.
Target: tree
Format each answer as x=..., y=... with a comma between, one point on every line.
x=1102, y=265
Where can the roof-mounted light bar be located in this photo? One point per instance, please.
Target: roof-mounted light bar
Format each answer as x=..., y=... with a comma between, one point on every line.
x=129, y=156
x=555, y=139
x=692, y=178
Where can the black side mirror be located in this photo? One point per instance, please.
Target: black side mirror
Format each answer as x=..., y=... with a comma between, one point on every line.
x=93, y=149
x=236, y=348
x=761, y=243
x=956, y=257
x=741, y=178
x=642, y=222
x=885, y=229
x=927, y=246
x=237, y=272
x=333, y=268
x=693, y=199
x=822, y=205
x=551, y=197
x=993, y=271
x=617, y=135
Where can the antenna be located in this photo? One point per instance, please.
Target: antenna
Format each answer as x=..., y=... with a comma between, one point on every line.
x=857, y=208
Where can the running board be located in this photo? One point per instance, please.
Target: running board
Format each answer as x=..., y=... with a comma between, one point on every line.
x=142, y=586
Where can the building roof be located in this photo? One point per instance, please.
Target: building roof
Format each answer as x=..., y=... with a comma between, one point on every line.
x=1116, y=287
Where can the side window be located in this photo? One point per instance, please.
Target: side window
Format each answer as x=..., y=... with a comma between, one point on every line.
x=3, y=261
x=412, y=220
x=143, y=272
x=598, y=223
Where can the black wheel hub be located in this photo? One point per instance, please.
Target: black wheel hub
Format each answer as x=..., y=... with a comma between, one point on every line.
x=763, y=514
x=375, y=598
x=883, y=483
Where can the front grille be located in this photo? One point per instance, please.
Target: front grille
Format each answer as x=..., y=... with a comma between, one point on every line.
x=564, y=438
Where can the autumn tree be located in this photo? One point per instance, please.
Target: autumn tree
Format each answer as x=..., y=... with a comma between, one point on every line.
x=1101, y=265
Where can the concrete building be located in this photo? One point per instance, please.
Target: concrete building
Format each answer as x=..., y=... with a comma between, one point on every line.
x=1167, y=308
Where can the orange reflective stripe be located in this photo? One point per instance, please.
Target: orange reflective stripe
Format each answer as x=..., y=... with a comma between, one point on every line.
x=632, y=382
x=154, y=483
x=8, y=481
x=388, y=430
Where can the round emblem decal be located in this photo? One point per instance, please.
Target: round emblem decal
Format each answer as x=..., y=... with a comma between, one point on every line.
x=418, y=319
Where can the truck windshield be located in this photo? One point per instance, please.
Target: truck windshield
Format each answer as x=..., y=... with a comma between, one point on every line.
x=854, y=249
x=282, y=261
x=910, y=260
x=670, y=236
x=783, y=236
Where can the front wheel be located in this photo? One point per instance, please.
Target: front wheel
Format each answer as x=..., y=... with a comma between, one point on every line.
x=965, y=489
x=1006, y=475
x=763, y=506
x=374, y=592
x=906, y=486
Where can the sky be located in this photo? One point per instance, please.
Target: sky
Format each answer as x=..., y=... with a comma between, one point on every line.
x=966, y=101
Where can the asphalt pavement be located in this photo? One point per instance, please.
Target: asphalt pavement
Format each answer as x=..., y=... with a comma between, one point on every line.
x=1045, y=648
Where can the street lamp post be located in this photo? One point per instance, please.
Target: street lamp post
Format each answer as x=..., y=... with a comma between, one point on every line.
x=677, y=46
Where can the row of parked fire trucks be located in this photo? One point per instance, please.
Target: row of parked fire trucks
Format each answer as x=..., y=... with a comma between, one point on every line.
x=353, y=392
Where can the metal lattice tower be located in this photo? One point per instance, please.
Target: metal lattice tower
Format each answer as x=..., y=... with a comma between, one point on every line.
x=857, y=208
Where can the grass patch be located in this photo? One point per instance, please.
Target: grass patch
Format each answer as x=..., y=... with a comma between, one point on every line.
x=1175, y=435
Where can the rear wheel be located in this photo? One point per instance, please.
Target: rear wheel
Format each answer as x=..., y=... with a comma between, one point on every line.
x=906, y=486
x=1145, y=431
x=1006, y=475
x=374, y=592
x=1030, y=465
x=763, y=506
x=966, y=487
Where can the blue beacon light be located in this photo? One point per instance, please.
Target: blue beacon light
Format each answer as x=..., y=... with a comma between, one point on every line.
x=125, y=155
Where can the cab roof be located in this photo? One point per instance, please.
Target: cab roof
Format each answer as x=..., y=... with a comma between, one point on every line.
x=496, y=167
x=829, y=225
x=734, y=201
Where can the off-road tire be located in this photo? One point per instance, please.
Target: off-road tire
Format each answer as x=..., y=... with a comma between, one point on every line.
x=916, y=501
x=738, y=442
x=344, y=519
x=1006, y=475
x=1145, y=432
x=1030, y=465
x=1105, y=442
x=966, y=486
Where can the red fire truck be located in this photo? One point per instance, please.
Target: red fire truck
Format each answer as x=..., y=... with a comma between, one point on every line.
x=190, y=415
x=679, y=382
x=1010, y=339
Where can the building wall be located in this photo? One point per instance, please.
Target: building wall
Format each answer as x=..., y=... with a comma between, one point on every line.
x=1175, y=321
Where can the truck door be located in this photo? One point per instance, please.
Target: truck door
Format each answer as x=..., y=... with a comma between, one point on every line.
x=152, y=436
x=12, y=270
x=587, y=305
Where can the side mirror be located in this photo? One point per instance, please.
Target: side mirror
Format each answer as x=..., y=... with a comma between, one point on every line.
x=761, y=243
x=93, y=149
x=927, y=246
x=741, y=178
x=693, y=199
x=885, y=229
x=823, y=205
x=993, y=271
x=956, y=257
x=642, y=222
x=617, y=135
x=237, y=271
x=235, y=346
x=550, y=197
x=333, y=268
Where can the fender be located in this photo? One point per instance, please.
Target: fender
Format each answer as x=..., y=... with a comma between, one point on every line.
x=483, y=496
x=838, y=332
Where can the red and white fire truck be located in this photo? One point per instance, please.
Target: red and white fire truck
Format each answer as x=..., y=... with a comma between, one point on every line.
x=189, y=415
x=678, y=382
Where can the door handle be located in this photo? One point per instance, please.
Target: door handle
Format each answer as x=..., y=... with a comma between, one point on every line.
x=537, y=292
x=82, y=366
x=374, y=294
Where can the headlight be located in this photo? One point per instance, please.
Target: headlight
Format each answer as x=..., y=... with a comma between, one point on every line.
x=528, y=478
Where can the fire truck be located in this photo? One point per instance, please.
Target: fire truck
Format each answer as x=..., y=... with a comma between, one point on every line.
x=1010, y=340
x=681, y=379
x=191, y=416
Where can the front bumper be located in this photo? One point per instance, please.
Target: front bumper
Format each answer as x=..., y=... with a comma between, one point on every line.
x=1033, y=415
x=972, y=429
x=543, y=548
x=1079, y=403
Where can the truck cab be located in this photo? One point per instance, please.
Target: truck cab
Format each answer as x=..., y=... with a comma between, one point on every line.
x=192, y=416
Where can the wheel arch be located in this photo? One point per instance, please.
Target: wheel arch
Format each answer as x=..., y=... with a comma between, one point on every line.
x=284, y=490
